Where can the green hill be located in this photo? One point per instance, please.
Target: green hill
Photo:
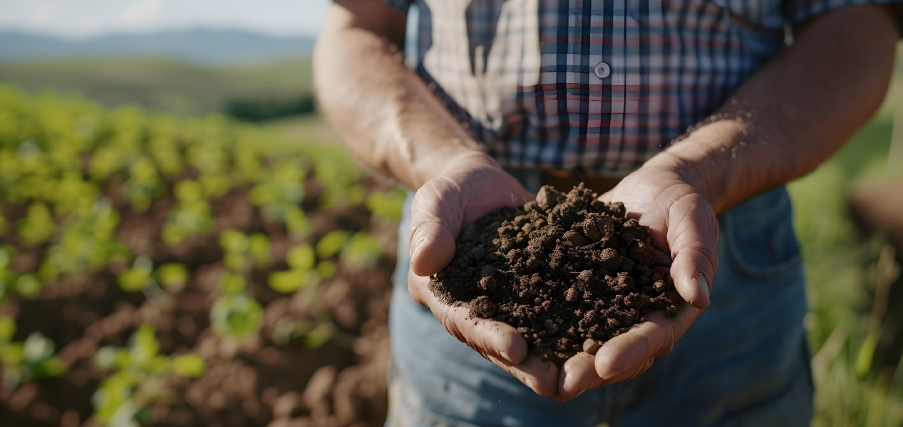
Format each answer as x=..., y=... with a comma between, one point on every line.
x=163, y=84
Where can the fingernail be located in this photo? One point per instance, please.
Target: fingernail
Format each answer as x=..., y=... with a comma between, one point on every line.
x=703, y=284
x=504, y=355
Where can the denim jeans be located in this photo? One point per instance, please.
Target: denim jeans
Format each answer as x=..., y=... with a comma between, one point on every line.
x=744, y=362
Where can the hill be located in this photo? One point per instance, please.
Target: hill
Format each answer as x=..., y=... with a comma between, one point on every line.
x=199, y=46
x=163, y=84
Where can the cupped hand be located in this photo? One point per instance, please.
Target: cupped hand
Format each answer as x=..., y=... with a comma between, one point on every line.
x=666, y=197
x=470, y=186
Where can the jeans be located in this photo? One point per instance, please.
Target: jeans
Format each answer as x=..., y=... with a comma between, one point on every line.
x=744, y=362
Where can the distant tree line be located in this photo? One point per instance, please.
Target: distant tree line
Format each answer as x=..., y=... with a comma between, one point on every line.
x=263, y=109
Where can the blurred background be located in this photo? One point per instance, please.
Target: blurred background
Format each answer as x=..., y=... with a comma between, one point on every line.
x=183, y=242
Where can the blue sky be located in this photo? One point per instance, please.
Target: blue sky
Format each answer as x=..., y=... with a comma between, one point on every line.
x=90, y=17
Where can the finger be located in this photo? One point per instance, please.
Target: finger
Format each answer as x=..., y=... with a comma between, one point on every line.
x=436, y=219
x=624, y=355
x=489, y=337
x=693, y=238
x=578, y=374
x=539, y=376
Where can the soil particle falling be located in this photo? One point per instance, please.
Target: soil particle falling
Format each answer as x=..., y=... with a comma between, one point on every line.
x=566, y=270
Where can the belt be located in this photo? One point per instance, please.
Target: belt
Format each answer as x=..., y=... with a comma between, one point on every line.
x=564, y=181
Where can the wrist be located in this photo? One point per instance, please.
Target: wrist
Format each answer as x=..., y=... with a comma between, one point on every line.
x=442, y=160
x=707, y=160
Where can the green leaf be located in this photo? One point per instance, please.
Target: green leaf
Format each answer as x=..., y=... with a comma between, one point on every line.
x=105, y=358
x=331, y=243
x=5, y=255
x=38, y=225
x=12, y=354
x=301, y=257
x=7, y=329
x=289, y=281
x=36, y=348
x=232, y=283
x=259, y=249
x=50, y=367
x=319, y=335
x=28, y=285
x=172, y=275
x=866, y=355
x=134, y=279
x=189, y=365
x=326, y=269
x=238, y=316
x=144, y=345
x=297, y=223
x=362, y=250
x=233, y=241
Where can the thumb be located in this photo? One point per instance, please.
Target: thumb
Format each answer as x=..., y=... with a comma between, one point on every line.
x=693, y=238
x=436, y=218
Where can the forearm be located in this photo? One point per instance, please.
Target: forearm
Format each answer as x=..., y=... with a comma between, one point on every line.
x=794, y=113
x=386, y=115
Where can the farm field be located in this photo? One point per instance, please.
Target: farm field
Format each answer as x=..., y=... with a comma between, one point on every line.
x=184, y=269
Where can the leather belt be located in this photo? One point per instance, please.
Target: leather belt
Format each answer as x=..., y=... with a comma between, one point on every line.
x=564, y=181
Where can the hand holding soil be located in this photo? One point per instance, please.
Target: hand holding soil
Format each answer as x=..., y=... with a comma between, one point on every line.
x=682, y=225
x=467, y=189
x=562, y=314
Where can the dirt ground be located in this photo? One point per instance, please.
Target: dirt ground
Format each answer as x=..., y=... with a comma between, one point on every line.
x=261, y=381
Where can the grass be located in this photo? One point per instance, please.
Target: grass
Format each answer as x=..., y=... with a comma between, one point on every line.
x=844, y=271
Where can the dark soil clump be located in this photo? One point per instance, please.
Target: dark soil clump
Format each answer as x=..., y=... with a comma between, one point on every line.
x=565, y=270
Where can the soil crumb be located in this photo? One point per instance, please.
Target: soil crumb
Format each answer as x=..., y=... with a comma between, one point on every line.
x=567, y=270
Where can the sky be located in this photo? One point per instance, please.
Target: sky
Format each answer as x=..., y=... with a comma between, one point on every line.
x=80, y=18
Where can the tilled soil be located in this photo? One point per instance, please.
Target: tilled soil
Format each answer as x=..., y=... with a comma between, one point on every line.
x=258, y=382
x=568, y=271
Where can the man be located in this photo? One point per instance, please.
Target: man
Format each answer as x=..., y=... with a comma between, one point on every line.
x=512, y=94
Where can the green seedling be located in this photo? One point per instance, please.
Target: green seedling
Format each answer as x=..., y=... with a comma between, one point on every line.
x=297, y=223
x=235, y=246
x=332, y=243
x=28, y=285
x=386, y=205
x=38, y=225
x=361, y=250
x=28, y=360
x=259, y=249
x=291, y=280
x=232, y=283
x=172, y=275
x=238, y=316
x=139, y=378
x=301, y=257
x=138, y=277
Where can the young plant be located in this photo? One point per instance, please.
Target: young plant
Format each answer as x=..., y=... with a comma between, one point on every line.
x=139, y=378
x=138, y=277
x=27, y=360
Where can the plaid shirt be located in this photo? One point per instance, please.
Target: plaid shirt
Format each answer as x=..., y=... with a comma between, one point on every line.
x=598, y=84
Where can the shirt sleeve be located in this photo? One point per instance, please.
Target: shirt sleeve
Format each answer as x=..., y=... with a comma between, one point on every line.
x=401, y=5
x=800, y=11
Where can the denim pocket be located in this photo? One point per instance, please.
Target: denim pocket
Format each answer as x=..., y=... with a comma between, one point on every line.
x=759, y=236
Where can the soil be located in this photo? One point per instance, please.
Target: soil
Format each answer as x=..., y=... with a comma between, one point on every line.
x=261, y=381
x=567, y=270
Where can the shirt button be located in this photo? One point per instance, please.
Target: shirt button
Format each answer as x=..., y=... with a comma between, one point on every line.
x=602, y=70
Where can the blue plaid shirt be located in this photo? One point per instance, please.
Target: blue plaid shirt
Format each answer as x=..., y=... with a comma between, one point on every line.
x=598, y=84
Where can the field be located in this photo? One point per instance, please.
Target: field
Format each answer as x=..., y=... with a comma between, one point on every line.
x=175, y=87
x=187, y=269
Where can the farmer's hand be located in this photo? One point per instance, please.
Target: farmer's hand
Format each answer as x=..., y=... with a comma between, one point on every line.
x=470, y=186
x=666, y=196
